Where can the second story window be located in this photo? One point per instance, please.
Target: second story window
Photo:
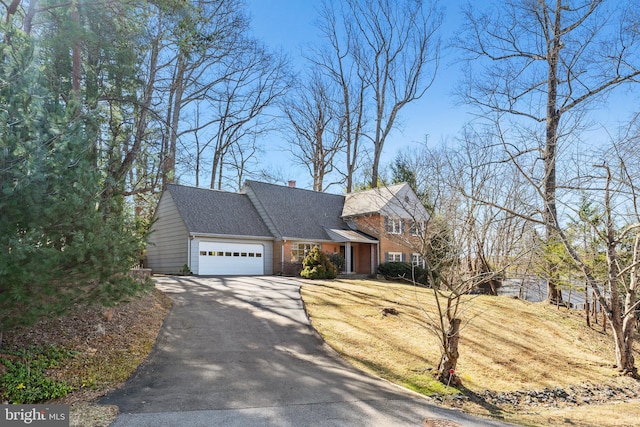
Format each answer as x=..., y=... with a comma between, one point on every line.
x=393, y=225
x=416, y=228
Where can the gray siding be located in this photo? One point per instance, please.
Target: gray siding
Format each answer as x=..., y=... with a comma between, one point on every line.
x=268, y=258
x=167, y=247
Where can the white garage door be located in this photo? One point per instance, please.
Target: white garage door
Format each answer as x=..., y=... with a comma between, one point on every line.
x=217, y=258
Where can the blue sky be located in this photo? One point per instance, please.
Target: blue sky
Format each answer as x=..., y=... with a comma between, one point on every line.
x=290, y=25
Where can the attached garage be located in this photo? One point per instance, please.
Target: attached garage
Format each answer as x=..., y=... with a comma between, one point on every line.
x=221, y=258
x=213, y=233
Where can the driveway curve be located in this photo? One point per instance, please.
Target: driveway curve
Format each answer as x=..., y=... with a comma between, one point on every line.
x=239, y=351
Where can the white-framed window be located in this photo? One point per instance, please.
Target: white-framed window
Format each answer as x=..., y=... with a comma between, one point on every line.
x=417, y=260
x=416, y=228
x=393, y=225
x=299, y=250
x=395, y=256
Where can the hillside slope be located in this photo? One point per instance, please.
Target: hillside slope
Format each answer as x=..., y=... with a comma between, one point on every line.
x=519, y=361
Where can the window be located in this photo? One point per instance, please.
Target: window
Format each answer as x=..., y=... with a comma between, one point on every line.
x=243, y=254
x=395, y=256
x=227, y=254
x=417, y=260
x=416, y=228
x=258, y=255
x=212, y=253
x=203, y=253
x=220, y=253
x=393, y=225
x=299, y=250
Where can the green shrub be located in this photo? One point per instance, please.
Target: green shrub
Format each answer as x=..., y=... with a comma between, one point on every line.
x=337, y=260
x=25, y=380
x=403, y=270
x=316, y=265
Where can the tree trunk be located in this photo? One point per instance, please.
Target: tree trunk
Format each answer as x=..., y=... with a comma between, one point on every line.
x=623, y=338
x=449, y=359
x=554, y=294
x=173, y=118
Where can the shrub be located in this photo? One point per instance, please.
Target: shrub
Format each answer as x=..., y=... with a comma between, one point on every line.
x=337, y=260
x=403, y=270
x=316, y=265
x=25, y=379
x=291, y=269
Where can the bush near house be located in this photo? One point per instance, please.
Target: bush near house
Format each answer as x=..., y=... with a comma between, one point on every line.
x=405, y=271
x=338, y=261
x=316, y=265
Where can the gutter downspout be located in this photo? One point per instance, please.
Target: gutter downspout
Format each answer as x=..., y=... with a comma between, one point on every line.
x=189, y=240
x=282, y=257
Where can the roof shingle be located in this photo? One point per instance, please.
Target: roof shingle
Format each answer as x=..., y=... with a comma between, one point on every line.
x=217, y=212
x=297, y=213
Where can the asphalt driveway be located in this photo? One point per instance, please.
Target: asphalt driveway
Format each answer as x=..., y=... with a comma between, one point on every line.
x=239, y=351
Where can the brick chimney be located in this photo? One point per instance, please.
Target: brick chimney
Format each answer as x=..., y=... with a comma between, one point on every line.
x=292, y=183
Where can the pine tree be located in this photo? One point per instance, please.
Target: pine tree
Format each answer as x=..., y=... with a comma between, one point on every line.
x=61, y=242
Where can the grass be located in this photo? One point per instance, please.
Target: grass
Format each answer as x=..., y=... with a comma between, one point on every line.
x=507, y=345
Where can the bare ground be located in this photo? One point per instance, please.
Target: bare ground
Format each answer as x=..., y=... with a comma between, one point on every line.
x=109, y=345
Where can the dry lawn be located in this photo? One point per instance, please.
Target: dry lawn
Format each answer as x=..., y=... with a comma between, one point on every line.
x=507, y=345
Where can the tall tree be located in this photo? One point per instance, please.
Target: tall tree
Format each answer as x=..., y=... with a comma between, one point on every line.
x=335, y=61
x=201, y=36
x=612, y=186
x=315, y=128
x=383, y=55
x=255, y=80
x=58, y=245
x=546, y=62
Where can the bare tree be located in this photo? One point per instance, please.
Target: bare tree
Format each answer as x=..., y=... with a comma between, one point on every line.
x=335, y=61
x=465, y=245
x=314, y=128
x=546, y=62
x=256, y=80
x=468, y=246
x=610, y=188
x=383, y=55
x=202, y=36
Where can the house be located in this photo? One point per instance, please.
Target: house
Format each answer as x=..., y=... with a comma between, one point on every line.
x=265, y=229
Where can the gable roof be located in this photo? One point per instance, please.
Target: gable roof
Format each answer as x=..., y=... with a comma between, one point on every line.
x=294, y=213
x=216, y=212
x=397, y=200
x=270, y=211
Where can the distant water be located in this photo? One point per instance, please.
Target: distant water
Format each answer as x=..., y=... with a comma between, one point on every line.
x=535, y=290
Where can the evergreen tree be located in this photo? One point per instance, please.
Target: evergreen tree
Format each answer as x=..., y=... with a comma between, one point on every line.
x=316, y=265
x=61, y=242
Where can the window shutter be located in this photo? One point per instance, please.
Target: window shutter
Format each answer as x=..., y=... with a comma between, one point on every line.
x=404, y=256
x=386, y=257
x=386, y=224
x=401, y=226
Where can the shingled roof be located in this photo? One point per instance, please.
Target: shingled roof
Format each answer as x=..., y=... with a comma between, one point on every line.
x=397, y=200
x=216, y=212
x=296, y=213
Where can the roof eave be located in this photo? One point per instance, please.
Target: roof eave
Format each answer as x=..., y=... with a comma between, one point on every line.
x=230, y=236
